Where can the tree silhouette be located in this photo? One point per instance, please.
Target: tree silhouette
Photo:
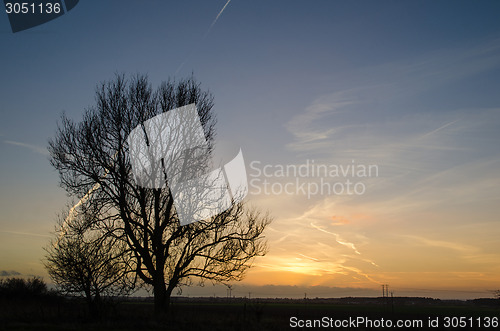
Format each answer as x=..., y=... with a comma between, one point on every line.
x=85, y=261
x=94, y=165
x=20, y=288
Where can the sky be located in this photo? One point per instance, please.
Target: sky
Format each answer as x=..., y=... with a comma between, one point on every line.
x=408, y=90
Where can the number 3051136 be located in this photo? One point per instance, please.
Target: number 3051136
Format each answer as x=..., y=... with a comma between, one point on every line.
x=32, y=8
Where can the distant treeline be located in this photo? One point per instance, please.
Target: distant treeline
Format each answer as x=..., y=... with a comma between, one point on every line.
x=408, y=301
x=17, y=288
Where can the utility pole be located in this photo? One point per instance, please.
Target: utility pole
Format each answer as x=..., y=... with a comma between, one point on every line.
x=385, y=290
x=392, y=301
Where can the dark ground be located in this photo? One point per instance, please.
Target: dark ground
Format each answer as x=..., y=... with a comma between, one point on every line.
x=58, y=313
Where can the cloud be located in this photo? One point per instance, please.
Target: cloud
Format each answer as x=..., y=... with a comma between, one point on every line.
x=310, y=258
x=438, y=170
x=25, y=233
x=438, y=163
x=397, y=102
x=307, y=254
x=338, y=239
x=9, y=273
x=442, y=244
x=304, y=127
x=33, y=148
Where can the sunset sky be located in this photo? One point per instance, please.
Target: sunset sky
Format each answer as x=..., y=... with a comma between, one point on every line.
x=411, y=88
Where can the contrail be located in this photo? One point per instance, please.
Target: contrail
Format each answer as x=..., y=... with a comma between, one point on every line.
x=310, y=258
x=26, y=233
x=73, y=212
x=206, y=34
x=34, y=148
x=218, y=15
x=438, y=129
x=337, y=238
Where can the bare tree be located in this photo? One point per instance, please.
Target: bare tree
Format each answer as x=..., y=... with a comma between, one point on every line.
x=83, y=261
x=94, y=164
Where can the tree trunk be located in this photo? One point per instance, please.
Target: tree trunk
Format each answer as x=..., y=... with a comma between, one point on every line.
x=169, y=295
x=95, y=306
x=91, y=304
x=161, y=298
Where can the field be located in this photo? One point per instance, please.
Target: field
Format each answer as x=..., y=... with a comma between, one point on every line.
x=257, y=314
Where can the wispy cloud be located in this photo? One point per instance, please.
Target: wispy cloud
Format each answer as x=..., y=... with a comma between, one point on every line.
x=304, y=127
x=310, y=258
x=33, y=148
x=363, y=114
x=9, y=273
x=338, y=239
x=460, y=247
x=20, y=233
x=438, y=166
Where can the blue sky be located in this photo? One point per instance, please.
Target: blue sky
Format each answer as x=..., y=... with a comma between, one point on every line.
x=409, y=86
